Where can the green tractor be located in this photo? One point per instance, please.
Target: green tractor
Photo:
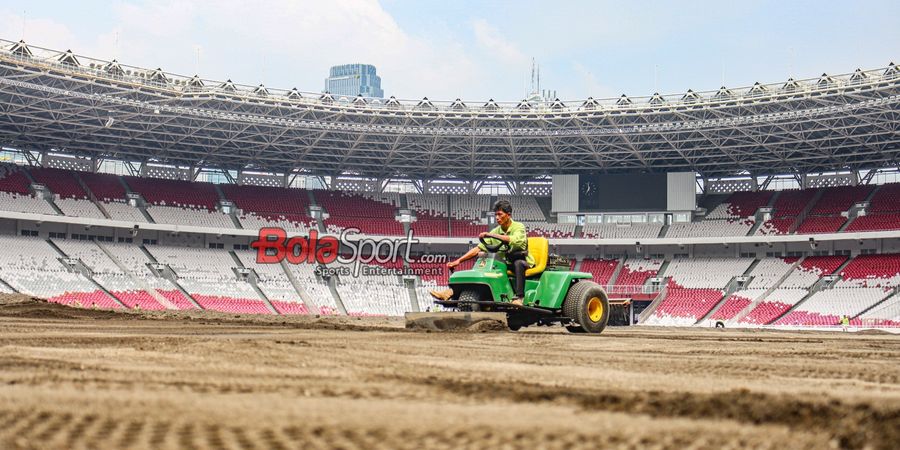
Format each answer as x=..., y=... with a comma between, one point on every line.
x=553, y=295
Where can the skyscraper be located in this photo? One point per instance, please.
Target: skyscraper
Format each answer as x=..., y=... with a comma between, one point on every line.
x=354, y=79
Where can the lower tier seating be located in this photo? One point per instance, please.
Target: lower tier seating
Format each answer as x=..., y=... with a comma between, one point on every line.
x=735, y=303
x=774, y=305
x=684, y=306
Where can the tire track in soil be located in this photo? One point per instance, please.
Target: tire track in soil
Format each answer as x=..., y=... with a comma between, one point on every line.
x=215, y=436
x=131, y=435
x=853, y=426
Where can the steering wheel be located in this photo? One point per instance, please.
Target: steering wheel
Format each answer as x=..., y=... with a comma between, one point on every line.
x=492, y=248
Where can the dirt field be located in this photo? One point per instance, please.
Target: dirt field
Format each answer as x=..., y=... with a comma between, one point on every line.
x=91, y=379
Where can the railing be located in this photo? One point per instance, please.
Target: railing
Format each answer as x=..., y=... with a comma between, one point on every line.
x=633, y=289
x=183, y=85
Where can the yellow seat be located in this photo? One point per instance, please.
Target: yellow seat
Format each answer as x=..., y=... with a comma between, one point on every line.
x=539, y=248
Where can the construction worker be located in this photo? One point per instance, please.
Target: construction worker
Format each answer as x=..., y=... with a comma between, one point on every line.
x=845, y=322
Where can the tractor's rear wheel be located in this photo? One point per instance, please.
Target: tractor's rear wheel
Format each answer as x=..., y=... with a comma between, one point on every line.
x=467, y=301
x=587, y=305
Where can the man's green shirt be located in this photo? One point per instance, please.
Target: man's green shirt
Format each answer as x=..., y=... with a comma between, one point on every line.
x=518, y=240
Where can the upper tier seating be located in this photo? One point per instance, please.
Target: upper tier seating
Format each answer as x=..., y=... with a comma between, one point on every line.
x=110, y=192
x=15, y=192
x=25, y=203
x=355, y=210
x=292, y=224
x=621, y=231
x=710, y=228
x=351, y=204
x=441, y=215
x=839, y=199
x=462, y=228
x=175, y=193
x=182, y=215
x=470, y=206
x=550, y=230
x=875, y=222
x=71, y=198
x=792, y=202
x=525, y=208
x=105, y=187
x=61, y=182
x=264, y=199
x=14, y=180
x=179, y=202
x=124, y=212
x=781, y=225
x=789, y=205
x=389, y=198
x=366, y=225
x=821, y=224
x=829, y=213
x=887, y=199
x=428, y=226
x=433, y=205
x=79, y=208
x=740, y=205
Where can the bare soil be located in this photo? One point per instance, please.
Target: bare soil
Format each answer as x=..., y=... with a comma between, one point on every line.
x=75, y=378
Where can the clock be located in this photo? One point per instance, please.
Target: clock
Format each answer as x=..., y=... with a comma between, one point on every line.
x=588, y=188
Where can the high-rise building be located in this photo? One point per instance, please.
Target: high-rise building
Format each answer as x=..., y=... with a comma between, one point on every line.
x=354, y=79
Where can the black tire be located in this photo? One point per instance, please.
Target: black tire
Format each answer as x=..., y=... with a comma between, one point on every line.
x=584, y=299
x=466, y=299
x=514, y=323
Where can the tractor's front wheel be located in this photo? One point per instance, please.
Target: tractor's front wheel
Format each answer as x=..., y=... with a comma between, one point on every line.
x=467, y=301
x=587, y=305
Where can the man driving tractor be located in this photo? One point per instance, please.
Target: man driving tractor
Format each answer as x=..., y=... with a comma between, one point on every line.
x=508, y=232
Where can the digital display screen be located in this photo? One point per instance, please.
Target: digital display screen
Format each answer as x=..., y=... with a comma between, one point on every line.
x=622, y=192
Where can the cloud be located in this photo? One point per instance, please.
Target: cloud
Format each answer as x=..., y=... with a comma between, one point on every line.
x=590, y=84
x=490, y=40
x=285, y=43
x=40, y=31
x=281, y=43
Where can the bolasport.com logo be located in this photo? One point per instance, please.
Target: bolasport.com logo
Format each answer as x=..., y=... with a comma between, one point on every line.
x=349, y=254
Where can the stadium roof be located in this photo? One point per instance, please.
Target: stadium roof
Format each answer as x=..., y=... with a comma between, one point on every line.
x=84, y=106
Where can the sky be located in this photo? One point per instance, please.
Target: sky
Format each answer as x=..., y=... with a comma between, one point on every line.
x=471, y=49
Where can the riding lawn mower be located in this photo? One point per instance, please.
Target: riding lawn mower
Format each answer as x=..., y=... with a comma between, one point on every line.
x=554, y=294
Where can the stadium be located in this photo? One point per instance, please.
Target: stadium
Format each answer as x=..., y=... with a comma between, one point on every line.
x=733, y=230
